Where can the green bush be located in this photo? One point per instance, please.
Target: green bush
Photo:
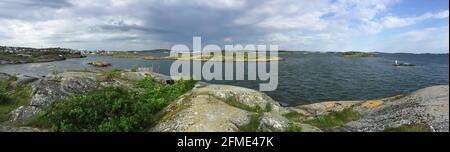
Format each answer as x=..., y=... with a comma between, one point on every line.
x=294, y=127
x=4, y=98
x=110, y=74
x=113, y=109
x=13, y=99
x=293, y=116
x=252, y=125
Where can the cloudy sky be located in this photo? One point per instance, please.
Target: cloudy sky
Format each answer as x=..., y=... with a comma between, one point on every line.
x=417, y=26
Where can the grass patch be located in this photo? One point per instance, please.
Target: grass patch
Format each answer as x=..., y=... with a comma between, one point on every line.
x=110, y=74
x=37, y=121
x=235, y=103
x=269, y=107
x=252, y=126
x=293, y=116
x=4, y=98
x=13, y=98
x=410, y=128
x=293, y=127
x=134, y=69
x=335, y=119
x=112, y=109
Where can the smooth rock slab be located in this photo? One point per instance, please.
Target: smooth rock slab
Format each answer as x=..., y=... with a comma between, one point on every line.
x=429, y=106
x=204, y=110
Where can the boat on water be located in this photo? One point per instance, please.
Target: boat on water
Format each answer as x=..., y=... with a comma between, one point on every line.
x=403, y=64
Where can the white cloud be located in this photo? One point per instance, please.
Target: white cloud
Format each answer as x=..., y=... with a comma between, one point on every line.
x=309, y=21
x=220, y=4
x=135, y=24
x=395, y=22
x=278, y=37
x=427, y=40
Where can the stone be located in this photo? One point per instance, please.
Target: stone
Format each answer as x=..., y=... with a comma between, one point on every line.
x=309, y=128
x=8, y=128
x=323, y=108
x=25, y=80
x=204, y=110
x=99, y=63
x=427, y=106
x=249, y=97
x=55, y=87
x=273, y=122
x=4, y=77
x=23, y=113
x=201, y=113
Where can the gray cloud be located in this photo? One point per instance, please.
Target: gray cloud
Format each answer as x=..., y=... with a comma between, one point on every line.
x=31, y=9
x=148, y=24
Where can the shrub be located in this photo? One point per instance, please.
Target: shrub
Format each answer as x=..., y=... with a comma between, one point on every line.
x=252, y=125
x=294, y=127
x=110, y=74
x=12, y=99
x=108, y=109
x=113, y=109
x=4, y=98
x=294, y=116
x=269, y=107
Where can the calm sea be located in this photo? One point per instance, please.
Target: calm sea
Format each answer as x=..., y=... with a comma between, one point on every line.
x=303, y=77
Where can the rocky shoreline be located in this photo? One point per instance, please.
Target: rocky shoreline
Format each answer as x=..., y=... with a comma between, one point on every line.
x=223, y=108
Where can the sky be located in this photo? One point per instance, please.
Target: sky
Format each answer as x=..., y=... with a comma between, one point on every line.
x=413, y=26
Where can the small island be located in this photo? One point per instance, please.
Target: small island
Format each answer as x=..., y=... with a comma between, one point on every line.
x=239, y=56
x=358, y=54
x=99, y=63
x=19, y=55
x=234, y=56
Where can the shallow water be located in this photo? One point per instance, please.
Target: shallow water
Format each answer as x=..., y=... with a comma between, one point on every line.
x=303, y=78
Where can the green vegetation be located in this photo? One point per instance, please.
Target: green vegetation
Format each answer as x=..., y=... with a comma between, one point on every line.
x=235, y=103
x=28, y=55
x=269, y=107
x=125, y=54
x=293, y=116
x=12, y=97
x=293, y=127
x=110, y=74
x=335, y=119
x=253, y=124
x=134, y=69
x=37, y=121
x=358, y=54
x=113, y=109
x=410, y=128
x=3, y=97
